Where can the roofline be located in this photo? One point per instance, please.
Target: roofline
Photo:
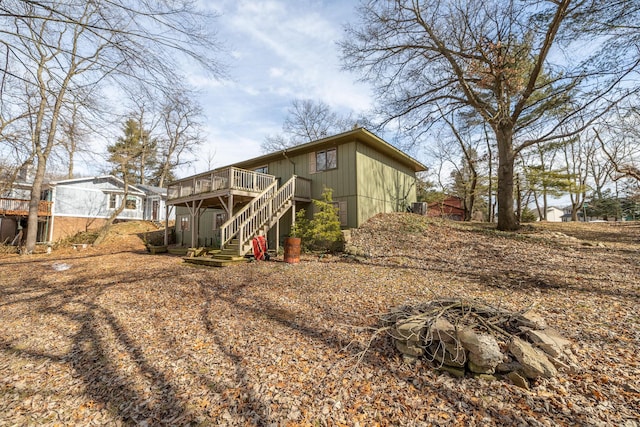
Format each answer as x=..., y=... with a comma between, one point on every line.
x=87, y=178
x=359, y=134
x=84, y=178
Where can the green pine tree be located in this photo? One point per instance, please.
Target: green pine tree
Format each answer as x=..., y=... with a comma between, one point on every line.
x=322, y=233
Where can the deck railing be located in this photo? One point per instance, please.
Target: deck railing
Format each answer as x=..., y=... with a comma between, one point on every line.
x=303, y=188
x=21, y=207
x=267, y=212
x=230, y=229
x=247, y=222
x=217, y=180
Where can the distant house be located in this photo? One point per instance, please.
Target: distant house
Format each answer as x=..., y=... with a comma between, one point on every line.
x=230, y=205
x=80, y=204
x=555, y=214
x=14, y=210
x=451, y=208
x=83, y=204
x=155, y=203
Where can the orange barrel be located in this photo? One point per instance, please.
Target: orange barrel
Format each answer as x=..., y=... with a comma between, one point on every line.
x=292, y=250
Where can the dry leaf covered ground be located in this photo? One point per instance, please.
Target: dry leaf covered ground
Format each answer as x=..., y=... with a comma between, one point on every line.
x=116, y=336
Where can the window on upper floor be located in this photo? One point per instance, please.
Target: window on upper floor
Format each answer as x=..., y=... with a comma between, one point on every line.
x=262, y=169
x=326, y=159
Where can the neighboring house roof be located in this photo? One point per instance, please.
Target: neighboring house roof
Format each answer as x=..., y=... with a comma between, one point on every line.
x=450, y=206
x=10, y=190
x=359, y=134
x=133, y=189
x=150, y=189
x=451, y=201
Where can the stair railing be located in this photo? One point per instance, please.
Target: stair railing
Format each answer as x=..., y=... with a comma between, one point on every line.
x=230, y=228
x=268, y=212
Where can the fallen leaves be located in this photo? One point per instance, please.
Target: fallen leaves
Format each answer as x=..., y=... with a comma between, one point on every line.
x=123, y=337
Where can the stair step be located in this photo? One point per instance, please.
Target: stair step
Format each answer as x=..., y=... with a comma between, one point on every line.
x=215, y=262
x=227, y=257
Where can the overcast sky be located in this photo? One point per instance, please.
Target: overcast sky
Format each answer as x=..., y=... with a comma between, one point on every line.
x=278, y=50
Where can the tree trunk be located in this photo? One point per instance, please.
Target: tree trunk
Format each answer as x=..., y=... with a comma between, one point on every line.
x=34, y=203
x=164, y=173
x=70, y=167
x=104, y=230
x=472, y=196
x=518, y=200
x=542, y=215
x=506, y=158
x=574, y=213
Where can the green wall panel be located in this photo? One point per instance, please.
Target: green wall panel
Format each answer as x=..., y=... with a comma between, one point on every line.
x=384, y=185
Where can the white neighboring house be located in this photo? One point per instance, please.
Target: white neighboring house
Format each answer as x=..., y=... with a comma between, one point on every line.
x=554, y=214
x=155, y=205
x=81, y=204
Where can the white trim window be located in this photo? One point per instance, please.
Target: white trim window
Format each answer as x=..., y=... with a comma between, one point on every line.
x=113, y=200
x=131, y=203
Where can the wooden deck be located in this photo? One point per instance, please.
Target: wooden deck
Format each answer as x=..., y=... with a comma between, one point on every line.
x=20, y=207
x=253, y=202
x=210, y=188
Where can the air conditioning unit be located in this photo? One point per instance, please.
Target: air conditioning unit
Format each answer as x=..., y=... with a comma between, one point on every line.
x=419, y=208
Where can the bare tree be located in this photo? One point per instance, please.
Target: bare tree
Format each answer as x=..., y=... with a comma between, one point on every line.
x=512, y=62
x=180, y=120
x=578, y=154
x=73, y=136
x=56, y=51
x=309, y=120
x=546, y=176
x=466, y=178
x=619, y=139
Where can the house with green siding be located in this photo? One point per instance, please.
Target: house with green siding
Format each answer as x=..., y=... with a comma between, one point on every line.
x=231, y=205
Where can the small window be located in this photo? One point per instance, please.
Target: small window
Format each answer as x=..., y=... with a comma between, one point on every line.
x=326, y=159
x=262, y=169
x=113, y=201
x=219, y=218
x=132, y=202
x=184, y=223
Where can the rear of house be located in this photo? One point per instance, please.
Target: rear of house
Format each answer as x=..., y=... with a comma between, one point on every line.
x=366, y=174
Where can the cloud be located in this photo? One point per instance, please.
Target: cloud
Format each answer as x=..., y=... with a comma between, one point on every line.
x=295, y=44
x=280, y=50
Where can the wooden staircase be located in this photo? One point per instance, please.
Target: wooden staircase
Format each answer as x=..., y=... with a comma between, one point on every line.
x=254, y=219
